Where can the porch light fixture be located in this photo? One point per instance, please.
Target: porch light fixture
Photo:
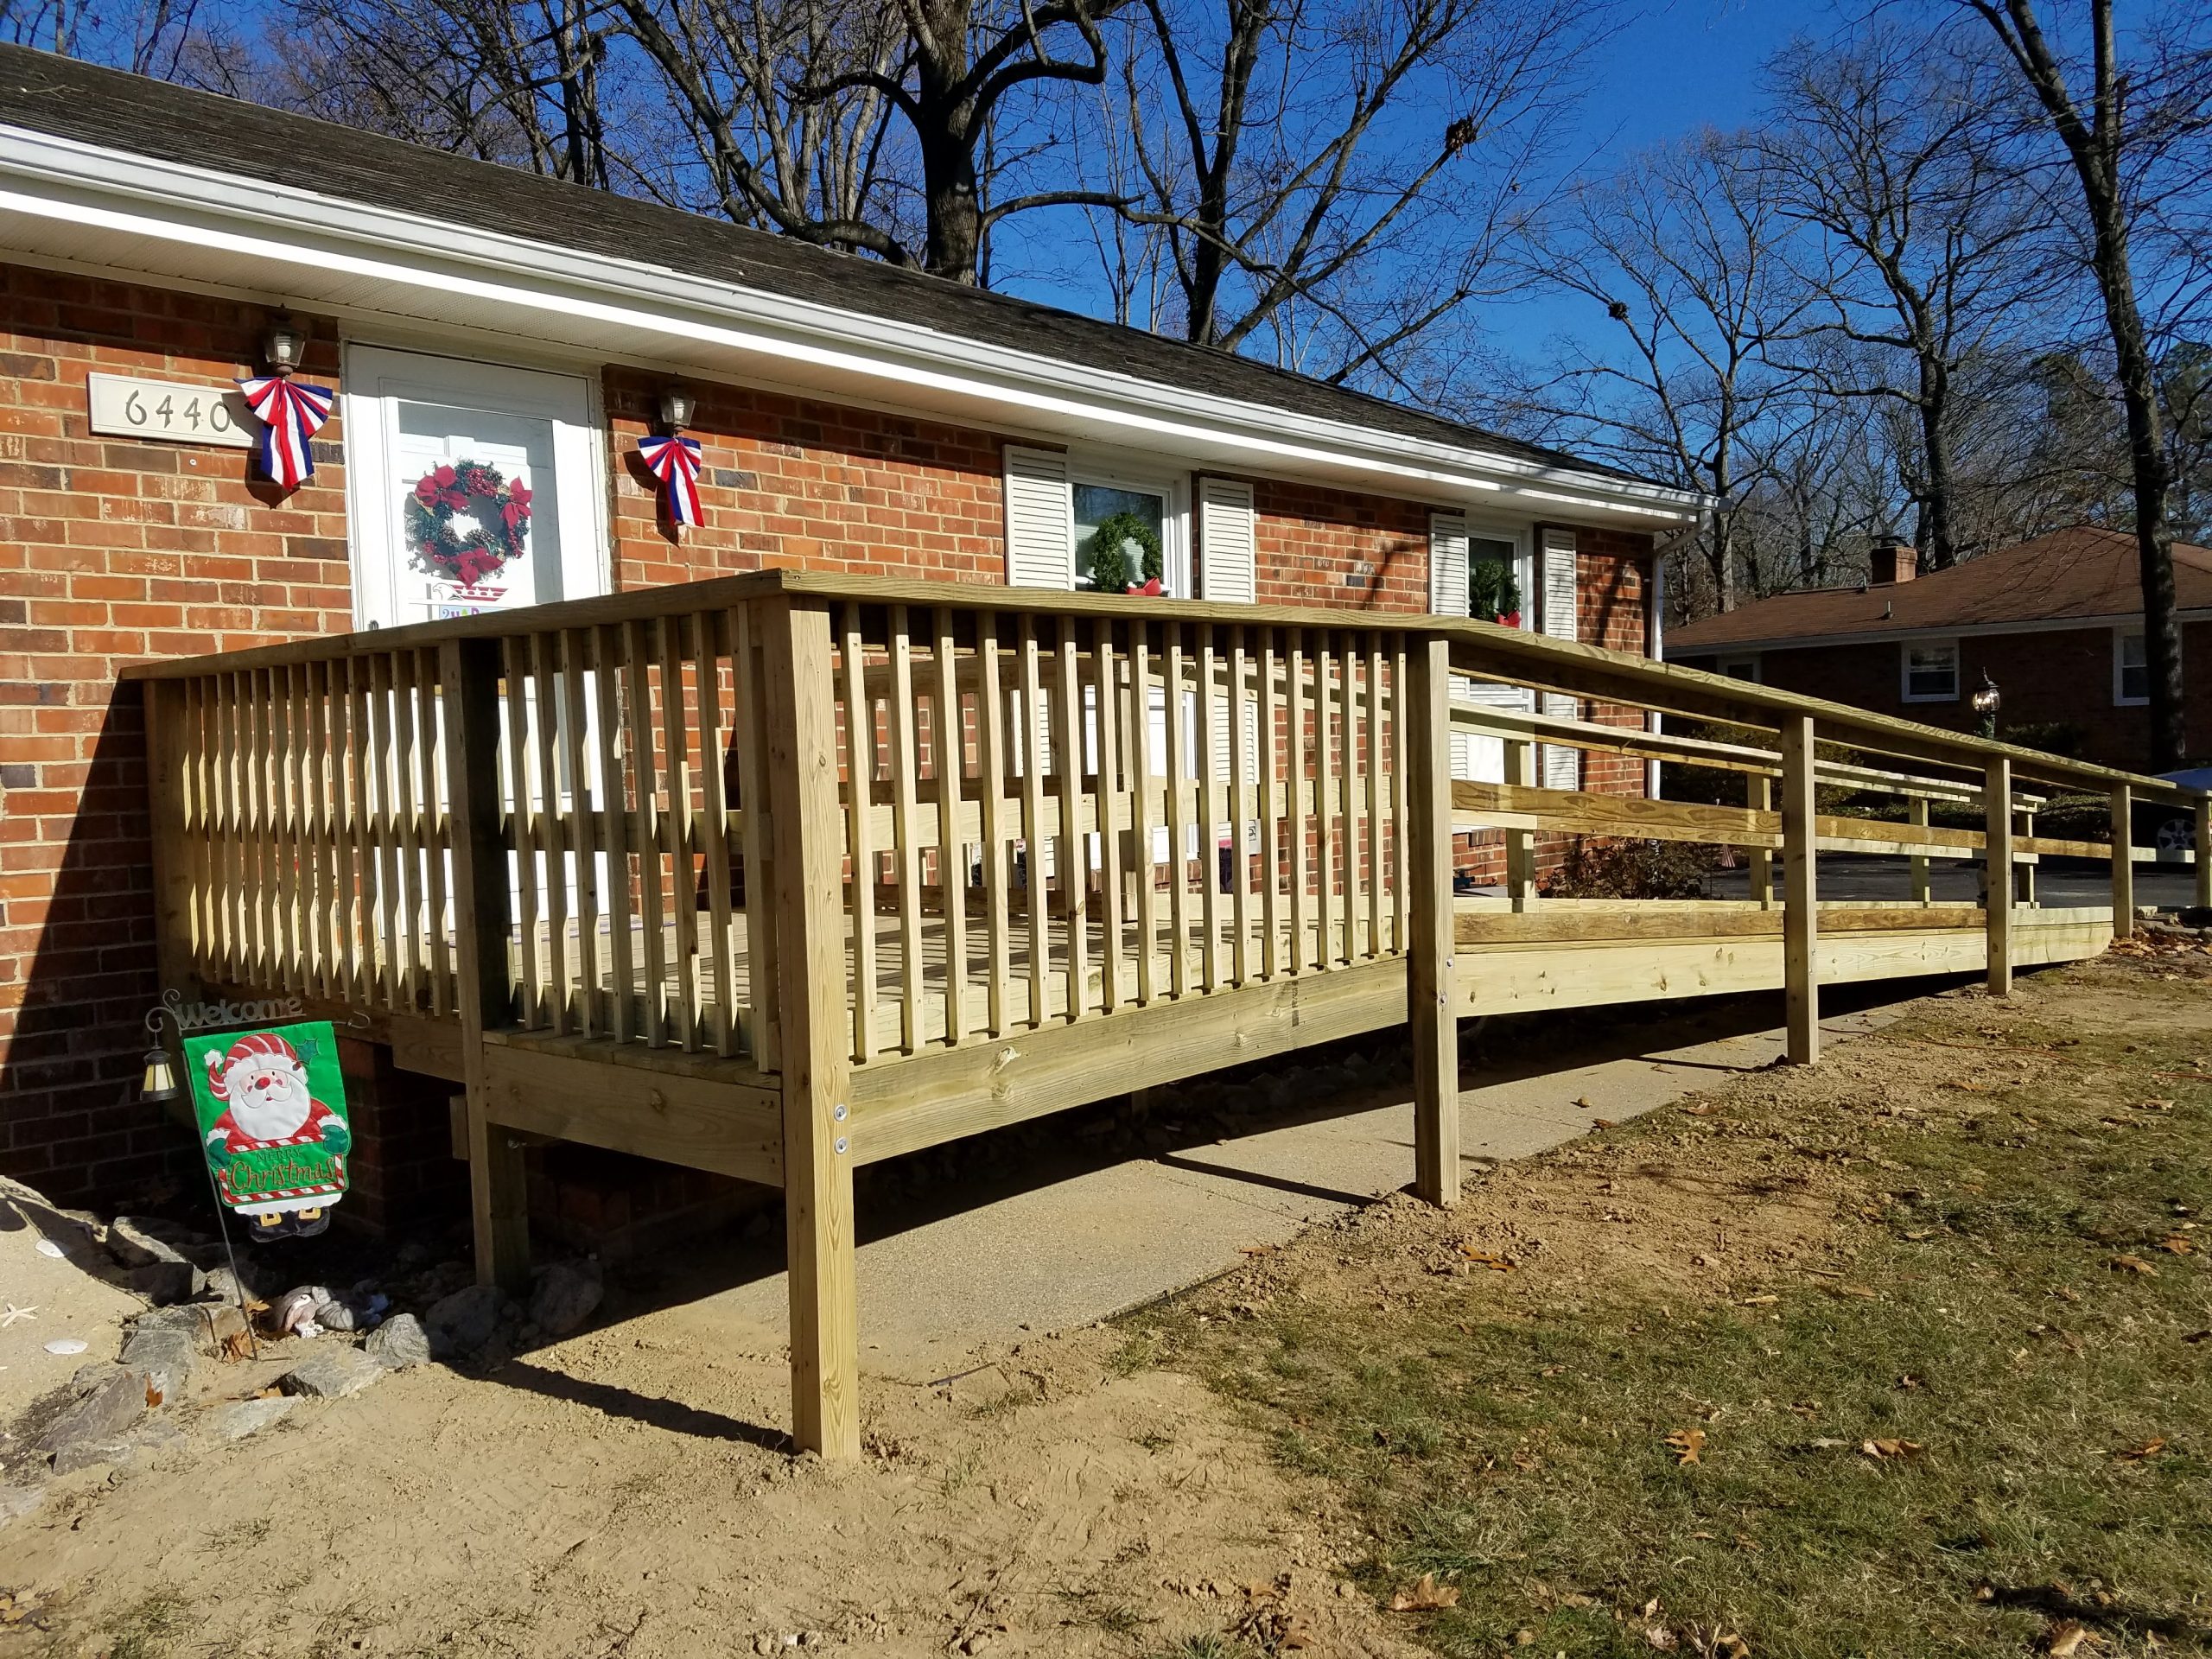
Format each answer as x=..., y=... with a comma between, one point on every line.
x=160, y=1081
x=678, y=405
x=1985, y=704
x=283, y=346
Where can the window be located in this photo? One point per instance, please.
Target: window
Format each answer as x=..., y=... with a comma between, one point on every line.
x=1056, y=501
x=1931, y=670
x=1738, y=668
x=1097, y=504
x=2131, y=670
x=1497, y=579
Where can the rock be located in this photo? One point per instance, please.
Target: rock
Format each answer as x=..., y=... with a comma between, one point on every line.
x=16, y=1501
x=164, y=1282
x=244, y=1417
x=141, y=1241
x=566, y=1294
x=103, y=1414
x=462, y=1323
x=398, y=1343
x=206, y=1326
x=84, y=1454
x=90, y=1376
x=224, y=1286
x=164, y=1355
x=332, y=1372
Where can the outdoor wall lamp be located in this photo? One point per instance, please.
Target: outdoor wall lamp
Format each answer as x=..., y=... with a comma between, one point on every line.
x=1985, y=703
x=283, y=346
x=678, y=405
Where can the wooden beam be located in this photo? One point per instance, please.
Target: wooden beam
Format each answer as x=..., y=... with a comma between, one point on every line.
x=1800, y=893
x=1997, y=871
x=468, y=677
x=578, y=1089
x=1558, y=924
x=816, y=1036
x=2123, y=862
x=1432, y=991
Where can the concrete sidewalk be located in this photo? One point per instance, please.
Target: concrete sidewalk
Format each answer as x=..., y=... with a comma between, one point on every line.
x=1065, y=1252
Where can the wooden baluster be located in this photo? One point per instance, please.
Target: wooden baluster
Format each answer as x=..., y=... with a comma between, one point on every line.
x=762, y=947
x=166, y=705
x=1271, y=954
x=818, y=1162
x=404, y=711
x=284, y=759
x=1240, y=838
x=1800, y=893
x=594, y=1008
x=991, y=775
x=1401, y=738
x=709, y=645
x=1347, y=730
x=1068, y=762
x=1917, y=810
x=1521, y=844
x=552, y=822
x=1997, y=871
x=1145, y=782
x=434, y=836
x=1033, y=814
x=949, y=742
x=260, y=743
x=1109, y=790
x=1301, y=809
x=1211, y=765
x=198, y=823
x=371, y=731
x=1326, y=792
x=608, y=659
x=1432, y=988
x=678, y=833
x=2122, y=841
x=524, y=816
x=860, y=781
x=1178, y=817
x=644, y=832
x=905, y=834
x=1373, y=745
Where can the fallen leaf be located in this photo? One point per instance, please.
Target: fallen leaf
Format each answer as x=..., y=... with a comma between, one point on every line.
x=1486, y=1259
x=1701, y=1111
x=2066, y=1637
x=1424, y=1595
x=2133, y=1264
x=1601, y=1123
x=1688, y=1444
x=1659, y=1637
x=153, y=1397
x=2177, y=1245
x=1881, y=1449
x=1760, y=1301
x=2142, y=1453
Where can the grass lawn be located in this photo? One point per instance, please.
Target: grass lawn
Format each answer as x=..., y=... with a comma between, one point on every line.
x=1908, y=1355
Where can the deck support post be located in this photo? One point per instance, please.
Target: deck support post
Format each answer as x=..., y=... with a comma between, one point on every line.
x=468, y=679
x=2123, y=861
x=1800, y=893
x=1431, y=992
x=817, y=1028
x=1998, y=883
x=175, y=956
x=1521, y=844
x=2204, y=851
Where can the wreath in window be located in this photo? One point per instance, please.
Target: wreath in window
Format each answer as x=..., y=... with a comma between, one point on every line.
x=1492, y=594
x=465, y=522
x=1110, y=571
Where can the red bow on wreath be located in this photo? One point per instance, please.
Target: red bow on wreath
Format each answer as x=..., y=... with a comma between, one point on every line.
x=675, y=462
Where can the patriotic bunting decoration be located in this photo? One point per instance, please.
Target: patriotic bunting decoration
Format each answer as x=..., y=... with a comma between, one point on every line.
x=290, y=414
x=675, y=462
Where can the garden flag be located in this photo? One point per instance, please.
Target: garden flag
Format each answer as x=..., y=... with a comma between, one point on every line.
x=675, y=462
x=271, y=1110
x=291, y=414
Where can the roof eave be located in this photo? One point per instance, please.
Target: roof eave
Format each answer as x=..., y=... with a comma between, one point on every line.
x=273, y=240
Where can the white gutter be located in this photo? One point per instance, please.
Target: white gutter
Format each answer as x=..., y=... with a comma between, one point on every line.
x=281, y=229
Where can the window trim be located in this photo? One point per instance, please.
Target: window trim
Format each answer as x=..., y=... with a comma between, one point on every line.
x=1906, y=694
x=1109, y=471
x=1728, y=665
x=2119, y=638
x=1524, y=563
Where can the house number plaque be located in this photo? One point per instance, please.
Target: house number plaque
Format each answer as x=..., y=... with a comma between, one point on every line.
x=173, y=411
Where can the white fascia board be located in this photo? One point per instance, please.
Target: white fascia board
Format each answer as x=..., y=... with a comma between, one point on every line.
x=1678, y=649
x=281, y=229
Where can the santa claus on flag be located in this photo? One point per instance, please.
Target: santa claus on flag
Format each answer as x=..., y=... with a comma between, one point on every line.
x=278, y=1153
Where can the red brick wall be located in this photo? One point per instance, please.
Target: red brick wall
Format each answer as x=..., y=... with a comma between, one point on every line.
x=2063, y=676
x=1318, y=546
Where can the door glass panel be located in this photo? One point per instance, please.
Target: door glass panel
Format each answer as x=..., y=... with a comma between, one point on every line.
x=473, y=512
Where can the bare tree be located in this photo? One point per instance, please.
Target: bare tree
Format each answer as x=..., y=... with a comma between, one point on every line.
x=1927, y=245
x=2134, y=116
x=1336, y=178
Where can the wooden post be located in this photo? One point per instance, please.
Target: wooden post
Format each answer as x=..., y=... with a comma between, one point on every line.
x=167, y=754
x=1431, y=992
x=1920, y=891
x=2204, y=851
x=1997, y=872
x=816, y=1040
x=468, y=676
x=1521, y=844
x=2123, y=861
x=1758, y=795
x=1800, y=893
x=2023, y=868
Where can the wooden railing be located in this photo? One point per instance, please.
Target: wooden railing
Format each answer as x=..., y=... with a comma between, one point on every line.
x=835, y=869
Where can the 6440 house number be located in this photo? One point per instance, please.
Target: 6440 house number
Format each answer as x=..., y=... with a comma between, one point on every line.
x=175, y=411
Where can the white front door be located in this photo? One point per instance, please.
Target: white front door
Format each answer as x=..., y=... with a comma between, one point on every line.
x=471, y=487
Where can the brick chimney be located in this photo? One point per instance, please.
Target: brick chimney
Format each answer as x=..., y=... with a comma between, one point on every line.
x=1893, y=560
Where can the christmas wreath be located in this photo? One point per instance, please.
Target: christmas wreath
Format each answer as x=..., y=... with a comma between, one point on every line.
x=1109, y=554
x=494, y=518
x=1492, y=594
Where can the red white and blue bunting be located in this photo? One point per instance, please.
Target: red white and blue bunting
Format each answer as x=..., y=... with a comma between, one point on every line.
x=291, y=414
x=675, y=462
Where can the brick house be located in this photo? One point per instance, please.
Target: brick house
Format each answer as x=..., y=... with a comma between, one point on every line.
x=2054, y=623
x=160, y=243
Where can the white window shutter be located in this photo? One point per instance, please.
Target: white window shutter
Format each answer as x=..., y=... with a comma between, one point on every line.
x=1562, y=767
x=1039, y=519
x=1229, y=557
x=1447, y=563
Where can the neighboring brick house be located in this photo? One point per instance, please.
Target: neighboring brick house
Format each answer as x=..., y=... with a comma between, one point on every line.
x=2055, y=624
x=851, y=417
